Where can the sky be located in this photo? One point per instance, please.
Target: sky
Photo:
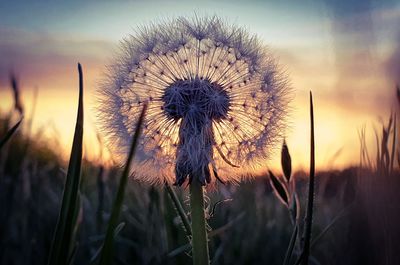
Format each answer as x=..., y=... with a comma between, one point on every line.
x=346, y=52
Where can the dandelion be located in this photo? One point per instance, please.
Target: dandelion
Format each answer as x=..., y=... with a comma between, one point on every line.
x=216, y=101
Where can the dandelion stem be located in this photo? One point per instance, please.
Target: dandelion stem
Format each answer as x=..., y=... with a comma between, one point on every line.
x=199, y=234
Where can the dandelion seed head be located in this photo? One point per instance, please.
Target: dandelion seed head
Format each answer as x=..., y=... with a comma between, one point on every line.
x=217, y=101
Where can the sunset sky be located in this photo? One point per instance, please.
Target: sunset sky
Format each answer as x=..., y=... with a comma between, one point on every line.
x=348, y=54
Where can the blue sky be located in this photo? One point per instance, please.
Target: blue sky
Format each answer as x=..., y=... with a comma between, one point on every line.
x=113, y=19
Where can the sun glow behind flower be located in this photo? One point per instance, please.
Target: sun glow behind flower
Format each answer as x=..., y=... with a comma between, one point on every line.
x=42, y=41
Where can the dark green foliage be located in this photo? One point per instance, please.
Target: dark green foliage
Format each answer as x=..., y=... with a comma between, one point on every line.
x=179, y=209
x=106, y=255
x=305, y=256
x=6, y=138
x=63, y=248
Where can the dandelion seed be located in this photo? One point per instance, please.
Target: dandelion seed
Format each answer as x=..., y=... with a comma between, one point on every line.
x=216, y=101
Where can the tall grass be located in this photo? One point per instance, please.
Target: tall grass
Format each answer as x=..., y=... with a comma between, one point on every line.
x=284, y=189
x=107, y=248
x=144, y=226
x=8, y=135
x=379, y=182
x=310, y=199
x=63, y=248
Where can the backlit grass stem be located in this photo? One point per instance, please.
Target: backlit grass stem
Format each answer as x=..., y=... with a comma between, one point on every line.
x=63, y=246
x=107, y=249
x=310, y=202
x=8, y=135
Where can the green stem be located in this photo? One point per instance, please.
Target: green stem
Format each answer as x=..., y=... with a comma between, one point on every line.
x=179, y=209
x=199, y=234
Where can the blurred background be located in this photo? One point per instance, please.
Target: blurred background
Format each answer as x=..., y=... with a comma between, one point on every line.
x=346, y=52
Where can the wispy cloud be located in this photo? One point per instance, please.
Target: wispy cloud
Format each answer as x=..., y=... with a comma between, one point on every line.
x=37, y=56
x=361, y=32
x=393, y=63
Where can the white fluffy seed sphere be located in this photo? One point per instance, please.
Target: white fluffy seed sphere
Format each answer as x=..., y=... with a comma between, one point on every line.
x=217, y=101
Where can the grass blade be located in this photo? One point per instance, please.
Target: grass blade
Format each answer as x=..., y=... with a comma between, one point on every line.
x=279, y=188
x=18, y=106
x=393, y=145
x=179, y=208
x=329, y=226
x=8, y=135
x=310, y=200
x=107, y=249
x=211, y=234
x=64, y=238
x=179, y=250
x=290, y=248
x=294, y=208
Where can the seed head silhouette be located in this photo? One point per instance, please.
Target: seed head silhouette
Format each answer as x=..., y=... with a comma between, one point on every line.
x=217, y=101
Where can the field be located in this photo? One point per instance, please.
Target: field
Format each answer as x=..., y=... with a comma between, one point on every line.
x=355, y=220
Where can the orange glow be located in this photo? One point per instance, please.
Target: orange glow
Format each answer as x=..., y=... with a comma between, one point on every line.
x=347, y=96
x=337, y=143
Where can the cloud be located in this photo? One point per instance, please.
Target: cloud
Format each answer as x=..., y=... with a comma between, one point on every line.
x=393, y=63
x=38, y=55
x=361, y=30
